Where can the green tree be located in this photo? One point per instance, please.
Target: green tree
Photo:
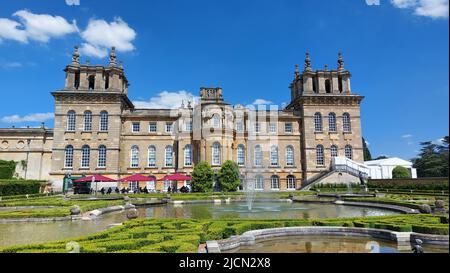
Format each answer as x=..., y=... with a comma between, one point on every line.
x=366, y=151
x=400, y=172
x=433, y=159
x=202, y=178
x=228, y=177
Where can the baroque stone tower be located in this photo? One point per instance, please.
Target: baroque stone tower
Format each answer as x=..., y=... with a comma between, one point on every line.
x=330, y=115
x=88, y=118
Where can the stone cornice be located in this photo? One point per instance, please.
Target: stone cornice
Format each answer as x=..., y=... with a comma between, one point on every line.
x=90, y=97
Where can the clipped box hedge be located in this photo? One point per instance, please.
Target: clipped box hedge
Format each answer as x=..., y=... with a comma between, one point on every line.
x=19, y=187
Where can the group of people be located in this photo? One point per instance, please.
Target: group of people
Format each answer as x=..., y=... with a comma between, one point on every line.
x=104, y=191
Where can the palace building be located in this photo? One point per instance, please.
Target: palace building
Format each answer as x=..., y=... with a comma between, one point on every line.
x=98, y=130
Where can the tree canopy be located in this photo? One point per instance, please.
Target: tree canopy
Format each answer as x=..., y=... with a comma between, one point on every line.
x=228, y=177
x=202, y=178
x=433, y=159
x=366, y=151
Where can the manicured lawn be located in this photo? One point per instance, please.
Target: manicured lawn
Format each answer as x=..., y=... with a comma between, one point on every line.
x=184, y=235
x=62, y=207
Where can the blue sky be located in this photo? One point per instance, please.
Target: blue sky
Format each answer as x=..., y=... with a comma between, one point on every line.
x=397, y=52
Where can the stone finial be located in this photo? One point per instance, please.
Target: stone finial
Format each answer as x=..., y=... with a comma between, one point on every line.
x=43, y=125
x=340, y=62
x=297, y=72
x=88, y=62
x=113, y=57
x=182, y=103
x=326, y=67
x=189, y=104
x=121, y=64
x=308, y=62
x=75, y=56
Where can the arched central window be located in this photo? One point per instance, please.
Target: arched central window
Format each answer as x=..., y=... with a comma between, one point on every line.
x=320, y=160
x=152, y=156
x=258, y=156
x=216, y=121
x=68, y=157
x=274, y=156
x=291, y=182
x=134, y=159
x=289, y=156
x=169, y=156
x=71, y=121
x=85, y=156
x=348, y=152
x=103, y=121
x=275, y=182
x=101, y=157
x=332, y=122
x=216, y=160
x=87, y=121
x=241, y=155
x=317, y=122
x=259, y=182
x=188, y=155
x=346, y=123
x=334, y=151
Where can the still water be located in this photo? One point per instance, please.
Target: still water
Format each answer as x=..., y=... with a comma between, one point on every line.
x=331, y=244
x=30, y=233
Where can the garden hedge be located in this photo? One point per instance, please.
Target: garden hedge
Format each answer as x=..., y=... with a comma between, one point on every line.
x=19, y=187
x=436, y=184
x=184, y=235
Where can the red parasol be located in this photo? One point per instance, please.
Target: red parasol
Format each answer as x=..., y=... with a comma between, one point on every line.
x=95, y=178
x=176, y=177
x=137, y=178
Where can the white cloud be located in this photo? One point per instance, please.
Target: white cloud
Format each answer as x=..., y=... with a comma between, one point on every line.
x=407, y=136
x=35, y=117
x=167, y=100
x=37, y=27
x=429, y=8
x=101, y=35
x=94, y=51
x=10, y=30
x=261, y=101
x=9, y=65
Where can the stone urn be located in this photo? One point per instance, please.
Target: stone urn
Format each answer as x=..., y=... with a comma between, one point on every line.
x=75, y=210
x=425, y=209
x=126, y=198
x=132, y=214
x=129, y=206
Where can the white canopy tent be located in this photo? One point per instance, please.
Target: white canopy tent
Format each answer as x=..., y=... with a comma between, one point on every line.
x=382, y=168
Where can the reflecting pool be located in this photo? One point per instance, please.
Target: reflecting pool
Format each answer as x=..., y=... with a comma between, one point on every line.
x=331, y=244
x=28, y=233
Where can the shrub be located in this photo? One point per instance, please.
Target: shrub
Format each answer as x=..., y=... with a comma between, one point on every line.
x=228, y=177
x=400, y=172
x=431, y=229
x=7, y=169
x=202, y=178
x=19, y=187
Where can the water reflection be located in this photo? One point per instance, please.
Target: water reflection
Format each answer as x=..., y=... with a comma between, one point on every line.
x=330, y=244
x=27, y=233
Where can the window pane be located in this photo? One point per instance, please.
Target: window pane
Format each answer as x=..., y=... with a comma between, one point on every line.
x=68, y=158
x=152, y=156
x=288, y=128
x=274, y=156
x=332, y=122
x=136, y=127
x=134, y=157
x=169, y=156
x=318, y=122
x=71, y=121
x=103, y=121
x=87, y=121
x=319, y=155
x=258, y=156
x=216, y=154
x=188, y=155
x=152, y=127
x=349, y=152
x=289, y=156
x=102, y=157
x=241, y=155
x=85, y=156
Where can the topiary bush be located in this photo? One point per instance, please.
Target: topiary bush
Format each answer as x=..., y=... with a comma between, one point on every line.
x=202, y=178
x=400, y=172
x=19, y=187
x=228, y=177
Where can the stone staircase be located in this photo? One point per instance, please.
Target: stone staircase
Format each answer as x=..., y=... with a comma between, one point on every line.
x=339, y=165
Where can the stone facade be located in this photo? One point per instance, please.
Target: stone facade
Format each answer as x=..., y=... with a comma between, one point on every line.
x=277, y=149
